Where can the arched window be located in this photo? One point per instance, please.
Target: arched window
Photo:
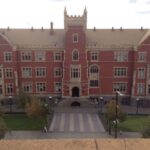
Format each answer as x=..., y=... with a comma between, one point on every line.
x=75, y=55
x=94, y=69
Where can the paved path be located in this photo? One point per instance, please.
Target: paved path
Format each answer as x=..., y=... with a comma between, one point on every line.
x=76, y=122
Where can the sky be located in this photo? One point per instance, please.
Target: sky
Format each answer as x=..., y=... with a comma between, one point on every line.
x=101, y=13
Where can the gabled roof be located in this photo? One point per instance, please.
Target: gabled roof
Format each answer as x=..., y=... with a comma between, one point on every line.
x=35, y=38
x=100, y=38
x=114, y=38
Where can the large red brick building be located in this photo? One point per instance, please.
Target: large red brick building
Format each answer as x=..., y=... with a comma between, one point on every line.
x=75, y=61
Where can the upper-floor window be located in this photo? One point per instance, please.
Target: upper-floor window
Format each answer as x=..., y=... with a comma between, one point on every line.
x=57, y=56
x=0, y=73
x=40, y=56
x=57, y=72
x=26, y=56
x=120, y=72
x=94, y=56
x=75, y=72
x=26, y=72
x=8, y=56
x=8, y=73
x=75, y=38
x=141, y=73
x=41, y=72
x=142, y=56
x=94, y=83
x=75, y=55
x=120, y=56
x=94, y=69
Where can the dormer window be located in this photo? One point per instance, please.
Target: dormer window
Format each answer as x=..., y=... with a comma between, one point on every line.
x=75, y=37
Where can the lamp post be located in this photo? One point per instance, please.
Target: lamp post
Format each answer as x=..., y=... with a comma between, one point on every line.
x=10, y=103
x=49, y=102
x=137, y=105
x=116, y=113
x=101, y=103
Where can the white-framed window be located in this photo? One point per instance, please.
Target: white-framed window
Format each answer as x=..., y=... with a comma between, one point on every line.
x=120, y=86
x=142, y=56
x=94, y=56
x=26, y=56
x=8, y=73
x=9, y=88
x=39, y=56
x=140, y=88
x=141, y=73
x=1, y=73
x=75, y=38
x=148, y=89
x=94, y=69
x=1, y=89
x=8, y=56
x=120, y=71
x=26, y=72
x=41, y=72
x=120, y=56
x=58, y=56
x=58, y=72
x=93, y=83
x=75, y=72
x=57, y=86
x=27, y=87
x=75, y=55
x=40, y=87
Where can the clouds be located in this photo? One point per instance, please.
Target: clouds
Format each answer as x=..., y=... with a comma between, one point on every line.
x=133, y=1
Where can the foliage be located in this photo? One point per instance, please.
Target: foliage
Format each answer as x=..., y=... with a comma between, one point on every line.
x=111, y=112
x=134, y=123
x=34, y=108
x=146, y=131
x=3, y=127
x=23, y=122
x=23, y=98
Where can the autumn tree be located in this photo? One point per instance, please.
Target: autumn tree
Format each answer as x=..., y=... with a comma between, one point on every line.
x=111, y=114
x=34, y=108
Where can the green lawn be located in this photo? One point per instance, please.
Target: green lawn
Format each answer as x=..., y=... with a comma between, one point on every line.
x=22, y=122
x=134, y=123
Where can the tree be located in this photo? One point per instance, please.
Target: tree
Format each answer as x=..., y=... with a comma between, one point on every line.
x=23, y=98
x=146, y=131
x=3, y=127
x=34, y=108
x=111, y=114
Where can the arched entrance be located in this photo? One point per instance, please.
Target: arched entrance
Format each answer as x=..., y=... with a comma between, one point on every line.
x=75, y=92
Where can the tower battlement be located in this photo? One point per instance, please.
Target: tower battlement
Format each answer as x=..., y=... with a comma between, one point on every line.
x=80, y=20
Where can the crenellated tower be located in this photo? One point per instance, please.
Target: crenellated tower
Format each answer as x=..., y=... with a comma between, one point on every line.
x=75, y=20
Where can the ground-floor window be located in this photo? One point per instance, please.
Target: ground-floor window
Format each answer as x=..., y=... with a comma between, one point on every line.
x=9, y=88
x=27, y=87
x=57, y=86
x=40, y=87
x=120, y=86
x=140, y=88
x=149, y=89
x=93, y=83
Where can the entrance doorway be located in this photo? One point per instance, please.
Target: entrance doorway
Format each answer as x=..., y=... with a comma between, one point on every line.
x=75, y=92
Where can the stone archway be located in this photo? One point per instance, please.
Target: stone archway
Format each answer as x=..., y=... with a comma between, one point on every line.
x=75, y=92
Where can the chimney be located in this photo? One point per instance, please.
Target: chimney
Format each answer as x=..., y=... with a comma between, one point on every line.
x=112, y=29
x=121, y=29
x=51, y=29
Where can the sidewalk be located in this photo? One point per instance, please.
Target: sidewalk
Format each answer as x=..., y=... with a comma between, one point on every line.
x=60, y=135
